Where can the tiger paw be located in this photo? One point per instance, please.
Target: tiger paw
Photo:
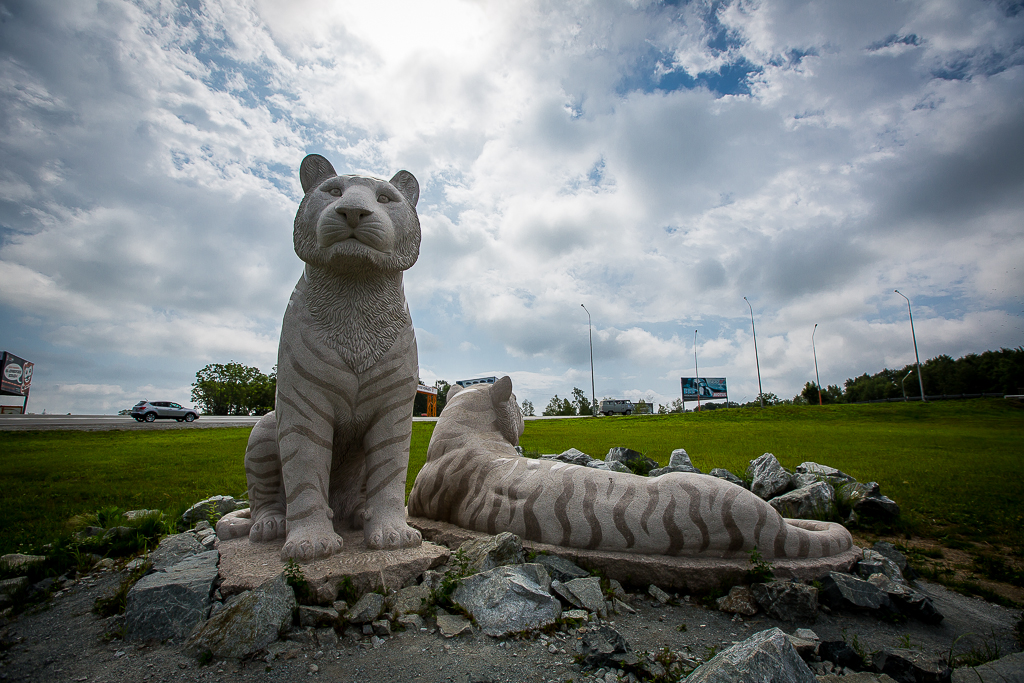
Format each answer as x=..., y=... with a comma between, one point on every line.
x=382, y=536
x=268, y=526
x=311, y=542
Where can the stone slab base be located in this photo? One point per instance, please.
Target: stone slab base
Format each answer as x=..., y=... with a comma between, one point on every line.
x=245, y=565
x=693, y=575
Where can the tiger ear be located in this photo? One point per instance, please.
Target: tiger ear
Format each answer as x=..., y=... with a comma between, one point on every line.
x=313, y=170
x=501, y=391
x=452, y=390
x=407, y=184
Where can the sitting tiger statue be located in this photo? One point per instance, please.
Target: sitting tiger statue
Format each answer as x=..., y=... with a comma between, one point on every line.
x=474, y=478
x=334, y=453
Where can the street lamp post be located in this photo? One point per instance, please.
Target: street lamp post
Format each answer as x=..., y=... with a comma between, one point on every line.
x=816, y=379
x=904, y=384
x=695, y=370
x=913, y=335
x=760, y=394
x=593, y=394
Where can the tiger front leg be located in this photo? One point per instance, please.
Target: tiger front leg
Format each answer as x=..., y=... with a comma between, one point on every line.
x=306, y=451
x=387, y=462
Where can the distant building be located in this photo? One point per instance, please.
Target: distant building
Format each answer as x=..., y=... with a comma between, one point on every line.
x=480, y=380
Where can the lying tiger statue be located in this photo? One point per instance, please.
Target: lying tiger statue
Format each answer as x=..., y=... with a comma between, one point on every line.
x=334, y=453
x=474, y=478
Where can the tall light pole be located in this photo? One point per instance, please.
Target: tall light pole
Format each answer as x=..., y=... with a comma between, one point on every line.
x=695, y=370
x=593, y=394
x=760, y=394
x=904, y=384
x=816, y=380
x=920, y=381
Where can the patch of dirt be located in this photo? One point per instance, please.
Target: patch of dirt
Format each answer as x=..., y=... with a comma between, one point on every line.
x=64, y=641
x=953, y=566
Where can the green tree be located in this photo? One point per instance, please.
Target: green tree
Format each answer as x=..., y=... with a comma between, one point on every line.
x=677, y=406
x=527, y=408
x=580, y=402
x=234, y=389
x=559, y=406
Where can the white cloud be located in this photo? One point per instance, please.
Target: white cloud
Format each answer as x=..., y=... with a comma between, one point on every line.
x=149, y=181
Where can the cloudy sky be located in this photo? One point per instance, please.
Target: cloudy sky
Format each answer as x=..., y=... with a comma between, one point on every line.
x=654, y=161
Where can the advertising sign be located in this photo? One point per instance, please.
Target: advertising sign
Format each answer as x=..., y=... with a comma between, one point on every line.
x=704, y=388
x=15, y=375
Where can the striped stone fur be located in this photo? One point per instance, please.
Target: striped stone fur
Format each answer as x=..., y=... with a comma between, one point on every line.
x=334, y=454
x=474, y=478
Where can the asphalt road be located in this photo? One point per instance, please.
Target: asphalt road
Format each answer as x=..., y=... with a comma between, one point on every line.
x=94, y=423
x=112, y=422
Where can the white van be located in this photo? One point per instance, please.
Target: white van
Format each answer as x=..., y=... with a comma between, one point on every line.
x=613, y=406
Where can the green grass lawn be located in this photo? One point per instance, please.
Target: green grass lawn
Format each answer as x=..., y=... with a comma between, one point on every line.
x=955, y=467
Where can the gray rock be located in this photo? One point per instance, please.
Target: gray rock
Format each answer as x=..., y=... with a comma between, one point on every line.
x=509, y=599
x=907, y=600
x=219, y=505
x=367, y=609
x=889, y=568
x=19, y=561
x=740, y=600
x=867, y=499
x=787, y=601
x=561, y=569
x=612, y=466
x=1008, y=669
x=327, y=637
x=413, y=622
x=804, y=648
x=621, y=607
x=248, y=623
x=170, y=603
x=847, y=591
x=658, y=594
x=409, y=600
x=432, y=579
x=584, y=593
x=616, y=588
x=633, y=460
x=801, y=480
x=494, y=551
x=658, y=471
x=769, y=478
x=680, y=458
x=89, y=532
x=722, y=473
x=856, y=677
x=765, y=656
x=312, y=616
x=889, y=551
x=807, y=634
x=173, y=549
x=576, y=614
x=605, y=647
x=824, y=472
x=452, y=625
x=865, y=568
x=8, y=587
x=381, y=628
x=817, y=501
x=910, y=666
x=571, y=456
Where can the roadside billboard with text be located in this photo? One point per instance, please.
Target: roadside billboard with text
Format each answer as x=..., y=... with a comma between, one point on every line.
x=15, y=375
x=704, y=388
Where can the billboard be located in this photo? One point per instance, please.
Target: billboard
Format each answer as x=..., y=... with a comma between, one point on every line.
x=15, y=375
x=704, y=388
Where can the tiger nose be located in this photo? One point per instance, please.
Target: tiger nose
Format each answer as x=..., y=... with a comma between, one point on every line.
x=352, y=214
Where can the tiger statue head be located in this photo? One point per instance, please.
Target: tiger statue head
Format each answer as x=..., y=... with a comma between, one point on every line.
x=352, y=223
x=497, y=397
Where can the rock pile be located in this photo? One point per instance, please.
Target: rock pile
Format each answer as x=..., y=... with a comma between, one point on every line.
x=811, y=491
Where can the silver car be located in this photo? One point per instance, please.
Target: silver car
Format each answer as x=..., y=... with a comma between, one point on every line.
x=147, y=411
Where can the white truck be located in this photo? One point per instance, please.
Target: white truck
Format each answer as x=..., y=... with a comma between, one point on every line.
x=616, y=406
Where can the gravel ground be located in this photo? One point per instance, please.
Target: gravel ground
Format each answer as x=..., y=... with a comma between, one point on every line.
x=63, y=641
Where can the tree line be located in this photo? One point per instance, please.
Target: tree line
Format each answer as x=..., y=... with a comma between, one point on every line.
x=991, y=372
